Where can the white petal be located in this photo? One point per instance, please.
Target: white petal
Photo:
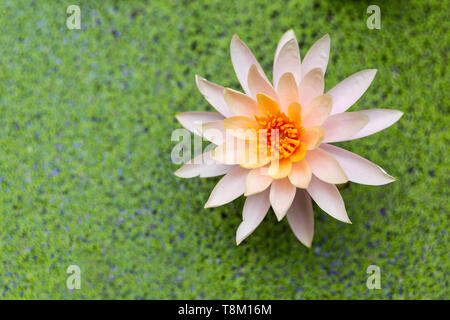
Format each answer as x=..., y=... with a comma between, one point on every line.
x=193, y=120
x=357, y=168
x=255, y=209
x=213, y=131
x=288, y=60
x=287, y=91
x=300, y=174
x=311, y=86
x=204, y=166
x=230, y=187
x=379, y=119
x=348, y=91
x=301, y=219
x=282, y=194
x=317, y=111
x=257, y=181
x=328, y=198
x=258, y=84
x=288, y=35
x=317, y=56
x=213, y=93
x=325, y=167
x=242, y=59
x=343, y=126
x=229, y=152
x=241, y=104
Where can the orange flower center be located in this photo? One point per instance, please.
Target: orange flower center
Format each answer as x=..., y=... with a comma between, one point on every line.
x=278, y=135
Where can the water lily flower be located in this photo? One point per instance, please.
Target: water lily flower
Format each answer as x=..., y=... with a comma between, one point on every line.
x=301, y=163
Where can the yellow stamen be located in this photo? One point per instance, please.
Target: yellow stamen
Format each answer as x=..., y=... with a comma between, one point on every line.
x=278, y=127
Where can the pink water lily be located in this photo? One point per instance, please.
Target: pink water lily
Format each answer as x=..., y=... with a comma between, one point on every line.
x=303, y=164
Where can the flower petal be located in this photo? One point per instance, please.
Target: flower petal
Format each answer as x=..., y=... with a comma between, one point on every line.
x=241, y=127
x=317, y=111
x=288, y=60
x=239, y=122
x=280, y=169
x=311, y=86
x=301, y=219
x=192, y=120
x=348, y=91
x=257, y=181
x=287, y=91
x=258, y=84
x=229, y=152
x=357, y=168
x=230, y=187
x=213, y=131
x=255, y=209
x=328, y=199
x=300, y=174
x=313, y=137
x=242, y=59
x=343, y=126
x=266, y=104
x=251, y=159
x=239, y=103
x=213, y=93
x=288, y=35
x=295, y=113
x=282, y=193
x=203, y=166
x=325, y=167
x=317, y=56
x=379, y=119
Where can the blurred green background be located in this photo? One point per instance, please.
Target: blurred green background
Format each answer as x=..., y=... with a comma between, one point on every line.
x=86, y=178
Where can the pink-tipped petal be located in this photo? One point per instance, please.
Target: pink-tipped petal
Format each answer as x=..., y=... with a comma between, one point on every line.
x=255, y=209
x=311, y=86
x=258, y=84
x=192, y=121
x=257, y=181
x=328, y=199
x=288, y=60
x=242, y=59
x=343, y=126
x=301, y=219
x=213, y=93
x=317, y=56
x=325, y=167
x=241, y=104
x=357, y=168
x=230, y=187
x=203, y=166
x=282, y=194
x=348, y=91
x=287, y=91
x=379, y=119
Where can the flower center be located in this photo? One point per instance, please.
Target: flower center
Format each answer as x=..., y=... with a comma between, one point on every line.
x=278, y=135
